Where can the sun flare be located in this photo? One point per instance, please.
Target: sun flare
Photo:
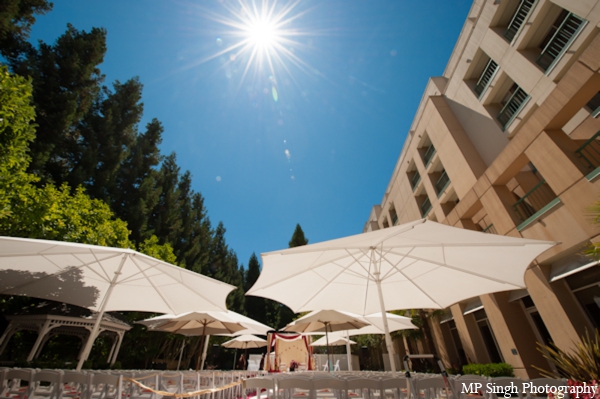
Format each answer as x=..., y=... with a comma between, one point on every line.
x=263, y=33
x=260, y=37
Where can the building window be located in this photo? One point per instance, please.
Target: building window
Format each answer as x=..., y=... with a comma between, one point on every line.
x=562, y=33
x=429, y=155
x=425, y=207
x=594, y=105
x=513, y=102
x=457, y=342
x=393, y=216
x=586, y=288
x=518, y=19
x=486, y=77
x=415, y=179
x=442, y=183
x=488, y=336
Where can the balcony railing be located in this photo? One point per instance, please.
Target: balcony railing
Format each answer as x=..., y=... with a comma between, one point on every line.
x=534, y=201
x=442, y=183
x=429, y=155
x=513, y=106
x=486, y=77
x=415, y=180
x=589, y=152
x=518, y=19
x=560, y=41
x=490, y=229
x=425, y=207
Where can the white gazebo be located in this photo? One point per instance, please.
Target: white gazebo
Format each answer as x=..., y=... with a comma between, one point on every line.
x=64, y=320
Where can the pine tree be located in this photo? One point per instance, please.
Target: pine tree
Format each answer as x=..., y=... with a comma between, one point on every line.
x=298, y=238
x=16, y=19
x=66, y=82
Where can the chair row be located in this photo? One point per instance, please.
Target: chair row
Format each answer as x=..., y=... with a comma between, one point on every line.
x=67, y=384
x=348, y=386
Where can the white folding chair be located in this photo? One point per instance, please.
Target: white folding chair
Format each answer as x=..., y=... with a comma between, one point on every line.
x=106, y=386
x=76, y=384
x=46, y=384
x=432, y=388
x=363, y=388
x=295, y=388
x=13, y=388
x=259, y=384
x=399, y=387
x=328, y=387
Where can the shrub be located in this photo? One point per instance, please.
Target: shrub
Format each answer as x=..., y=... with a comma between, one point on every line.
x=582, y=364
x=489, y=369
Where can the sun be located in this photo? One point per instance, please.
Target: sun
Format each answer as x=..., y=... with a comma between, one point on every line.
x=261, y=36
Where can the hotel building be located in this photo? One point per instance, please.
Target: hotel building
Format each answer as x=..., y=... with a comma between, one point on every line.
x=507, y=142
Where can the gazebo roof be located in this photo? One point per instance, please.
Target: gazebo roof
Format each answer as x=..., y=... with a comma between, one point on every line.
x=67, y=316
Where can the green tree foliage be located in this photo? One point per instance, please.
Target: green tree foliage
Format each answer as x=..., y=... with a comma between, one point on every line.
x=164, y=252
x=16, y=19
x=298, y=238
x=55, y=214
x=16, y=132
x=66, y=82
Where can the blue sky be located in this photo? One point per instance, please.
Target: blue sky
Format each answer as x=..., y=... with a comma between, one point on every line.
x=315, y=140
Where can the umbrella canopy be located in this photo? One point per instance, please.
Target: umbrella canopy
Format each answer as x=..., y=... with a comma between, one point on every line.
x=245, y=342
x=422, y=264
x=194, y=323
x=103, y=279
x=324, y=321
x=204, y=324
x=334, y=340
x=395, y=323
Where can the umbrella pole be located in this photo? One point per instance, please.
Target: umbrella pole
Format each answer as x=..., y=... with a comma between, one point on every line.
x=234, y=356
x=90, y=341
x=348, y=354
x=206, y=341
x=388, y=339
x=328, y=348
x=180, y=354
x=203, y=337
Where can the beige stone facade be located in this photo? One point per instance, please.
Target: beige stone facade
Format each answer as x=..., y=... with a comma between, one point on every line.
x=507, y=142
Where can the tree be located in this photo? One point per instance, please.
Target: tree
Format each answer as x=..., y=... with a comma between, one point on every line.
x=66, y=82
x=16, y=19
x=298, y=238
x=16, y=133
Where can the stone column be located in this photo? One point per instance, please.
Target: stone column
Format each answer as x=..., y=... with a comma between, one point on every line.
x=514, y=336
x=470, y=337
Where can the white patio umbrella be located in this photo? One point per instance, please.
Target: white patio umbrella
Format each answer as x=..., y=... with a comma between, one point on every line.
x=194, y=324
x=417, y=265
x=103, y=279
x=326, y=321
x=245, y=342
x=225, y=323
x=335, y=339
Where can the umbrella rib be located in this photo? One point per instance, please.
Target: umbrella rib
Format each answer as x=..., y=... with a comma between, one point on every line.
x=303, y=271
x=62, y=271
x=404, y=256
x=96, y=261
x=152, y=284
x=456, y=269
x=328, y=282
x=181, y=281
